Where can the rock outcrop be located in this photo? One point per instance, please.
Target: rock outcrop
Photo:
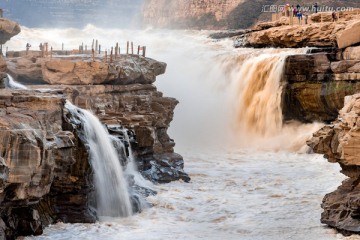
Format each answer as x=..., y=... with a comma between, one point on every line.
x=45, y=173
x=340, y=143
x=8, y=29
x=318, y=82
x=126, y=69
x=319, y=33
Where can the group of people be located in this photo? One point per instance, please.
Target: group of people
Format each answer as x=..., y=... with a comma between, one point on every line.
x=296, y=12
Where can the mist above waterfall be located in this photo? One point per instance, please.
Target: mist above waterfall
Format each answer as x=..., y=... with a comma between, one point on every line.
x=214, y=83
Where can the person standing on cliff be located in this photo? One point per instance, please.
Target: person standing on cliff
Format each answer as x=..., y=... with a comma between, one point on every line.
x=287, y=10
x=27, y=48
x=299, y=15
x=334, y=18
x=294, y=11
x=306, y=17
x=316, y=7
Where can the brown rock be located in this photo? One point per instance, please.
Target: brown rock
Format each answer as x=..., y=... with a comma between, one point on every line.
x=340, y=143
x=8, y=29
x=352, y=53
x=350, y=36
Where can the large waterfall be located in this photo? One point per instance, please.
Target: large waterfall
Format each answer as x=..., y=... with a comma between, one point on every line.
x=235, y=193
x=111, y=187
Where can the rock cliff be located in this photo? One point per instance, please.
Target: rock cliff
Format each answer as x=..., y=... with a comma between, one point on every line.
x=318, y=82
x=45, y=173
x=209, y=14
x=339, y=142
x=326, y=33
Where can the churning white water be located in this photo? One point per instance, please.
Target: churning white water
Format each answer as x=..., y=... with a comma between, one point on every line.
x=11, y=83
x=237, y=191
x=110, y=185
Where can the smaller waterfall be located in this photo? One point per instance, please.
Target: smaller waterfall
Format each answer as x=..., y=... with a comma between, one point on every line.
x=111, y=187
x=12, y=84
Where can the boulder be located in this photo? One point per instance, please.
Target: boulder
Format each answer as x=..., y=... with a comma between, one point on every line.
x=350, y=36
x=352, y=53
x=8, y=29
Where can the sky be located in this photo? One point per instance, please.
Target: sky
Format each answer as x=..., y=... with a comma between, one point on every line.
x=73, y=13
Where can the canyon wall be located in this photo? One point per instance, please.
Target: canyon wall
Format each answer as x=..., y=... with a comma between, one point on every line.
x=209, y=14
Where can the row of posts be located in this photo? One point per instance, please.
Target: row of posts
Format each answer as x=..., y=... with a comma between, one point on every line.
x=114, y=52
x=44, y=47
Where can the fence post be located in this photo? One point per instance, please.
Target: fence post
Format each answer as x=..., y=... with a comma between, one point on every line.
x=96, y=44
x=111, y=54
x=144, y=51
x=138, y=50
x=127, y=47
x=51, y=50
x=93, y=54
x=116, y=50
x=99, y=49
x=132, y=48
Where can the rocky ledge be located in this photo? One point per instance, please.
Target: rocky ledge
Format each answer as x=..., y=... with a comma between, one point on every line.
x=45, y=172
x=340, y=143
x=320, y=32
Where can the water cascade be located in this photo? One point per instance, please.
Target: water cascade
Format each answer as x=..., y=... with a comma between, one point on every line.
x=259, y=93
x=12, y=84
x=111, y=188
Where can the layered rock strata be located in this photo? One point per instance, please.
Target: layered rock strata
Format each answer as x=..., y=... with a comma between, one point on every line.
x=317, y=82
x=339, y=142
x=45, y=174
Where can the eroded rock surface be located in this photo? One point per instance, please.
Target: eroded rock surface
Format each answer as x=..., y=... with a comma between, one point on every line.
x=45, y=175
x=321, y=32
x=126, y=69
x=318, y=82
x=340, y=142
x=8, y=29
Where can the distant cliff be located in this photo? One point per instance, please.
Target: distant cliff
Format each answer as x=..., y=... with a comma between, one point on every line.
x=218, y=14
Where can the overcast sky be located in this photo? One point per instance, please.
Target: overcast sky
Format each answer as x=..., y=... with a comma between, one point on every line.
x=73, y=13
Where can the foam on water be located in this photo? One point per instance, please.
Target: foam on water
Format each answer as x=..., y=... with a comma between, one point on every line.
x=232, y=195
x=236, y=194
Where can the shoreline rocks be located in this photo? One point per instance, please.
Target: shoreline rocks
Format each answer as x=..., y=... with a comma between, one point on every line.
x=340, y=143
x=45, y=173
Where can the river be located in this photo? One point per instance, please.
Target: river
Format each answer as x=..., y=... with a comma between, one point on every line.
x=248, y=182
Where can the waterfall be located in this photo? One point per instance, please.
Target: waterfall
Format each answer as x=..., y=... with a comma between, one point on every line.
x=12, y=84
x=111, y=188
x=132, y=168
x=258, y=93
